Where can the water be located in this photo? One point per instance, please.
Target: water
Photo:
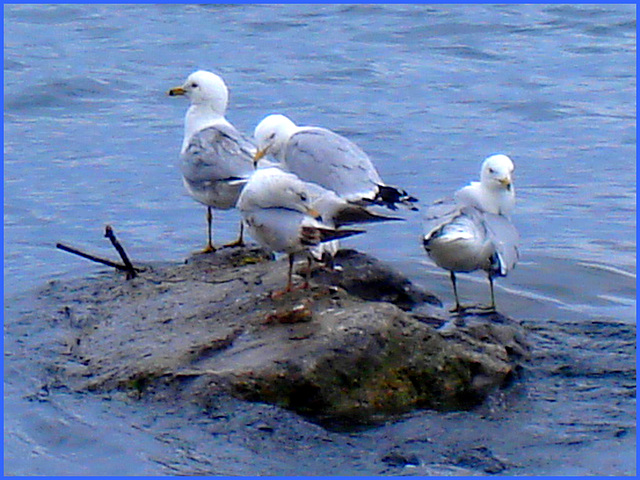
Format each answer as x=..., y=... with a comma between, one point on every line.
x=428, y=91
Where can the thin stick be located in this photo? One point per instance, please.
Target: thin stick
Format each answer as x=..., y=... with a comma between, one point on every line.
x=91, y=257
x=289, y=284
x=131, y=271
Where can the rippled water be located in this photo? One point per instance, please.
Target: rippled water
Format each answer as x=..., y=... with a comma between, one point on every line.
x=428, y=91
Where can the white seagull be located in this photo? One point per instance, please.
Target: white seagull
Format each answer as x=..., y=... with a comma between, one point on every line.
x=216, y=159
x=475, y=233
x=285, y=214
x=321, y=156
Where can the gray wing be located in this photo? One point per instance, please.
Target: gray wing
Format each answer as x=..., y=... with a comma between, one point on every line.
x=284, y=230
x=277, y=229
x=321, y=156
x=217, y=153
x=440, y=212
x=339, y=212
x=505, y=238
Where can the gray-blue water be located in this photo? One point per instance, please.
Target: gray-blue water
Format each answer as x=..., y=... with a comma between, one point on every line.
x=90, y=138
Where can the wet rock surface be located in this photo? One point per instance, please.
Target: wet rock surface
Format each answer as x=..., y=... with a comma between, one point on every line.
x=210, y=327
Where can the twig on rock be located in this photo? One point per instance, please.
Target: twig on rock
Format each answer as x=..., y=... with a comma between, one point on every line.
x=131, y=271
x=128, y=267
x=88, y=256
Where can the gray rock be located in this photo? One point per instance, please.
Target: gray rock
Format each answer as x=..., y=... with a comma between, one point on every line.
x=209, y=327
x=368, y=278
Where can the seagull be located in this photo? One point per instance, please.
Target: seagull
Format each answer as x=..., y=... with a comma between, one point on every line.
x=474, y=232
x=494, y=193
x=216, y=159
x=321, y=156
x=288, y=215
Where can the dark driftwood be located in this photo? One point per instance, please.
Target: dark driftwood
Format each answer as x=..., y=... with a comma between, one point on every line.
x=128, y=267
x=108, y=232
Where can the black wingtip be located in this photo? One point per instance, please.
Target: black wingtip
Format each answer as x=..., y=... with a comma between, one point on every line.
x=391, y=196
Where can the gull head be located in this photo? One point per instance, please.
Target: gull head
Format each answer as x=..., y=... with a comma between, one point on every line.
x=292, y=193
x=272, y=187
x=497, y=173
x=271, y=136
x=295, y=196
x=206, y=89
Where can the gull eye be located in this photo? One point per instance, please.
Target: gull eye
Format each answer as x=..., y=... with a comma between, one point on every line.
x=194, y=85
x=272, y=136
x=303, y=196
x=491, y=170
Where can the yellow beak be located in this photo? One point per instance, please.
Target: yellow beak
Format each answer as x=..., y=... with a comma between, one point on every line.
x=314, y=213
x=505, y=182
x=259, y=154
x=176, y=91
